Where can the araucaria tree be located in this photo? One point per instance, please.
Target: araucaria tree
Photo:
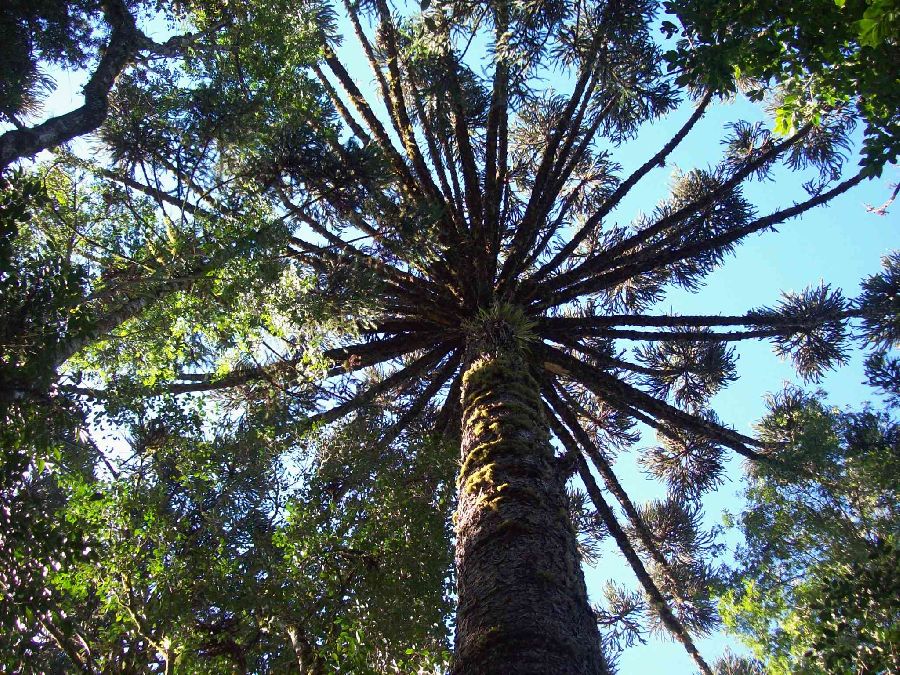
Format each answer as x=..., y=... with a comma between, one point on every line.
x=447, y=248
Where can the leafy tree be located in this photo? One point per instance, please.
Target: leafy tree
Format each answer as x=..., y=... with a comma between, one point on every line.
x=196, y=569
x=269, y=254
x=818, y=577
x=38, y=430
x=187, y=552
x=821, y=55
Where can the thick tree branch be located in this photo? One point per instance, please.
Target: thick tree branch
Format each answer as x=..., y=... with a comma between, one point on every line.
x=675, y=336
x=449, y=417
x=374, y=65
x=125, y=42
x=471, y=187
x=578, y=324
x=490, y=233
x=573, y=342
x=345, y=360
x=563, y=411
x=562, y=172
x=452, y=197
x=416, y=287
x=83, y=665
x=308, y=660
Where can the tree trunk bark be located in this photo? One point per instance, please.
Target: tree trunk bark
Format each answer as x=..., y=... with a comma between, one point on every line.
x=307, y=659
x=523, y=604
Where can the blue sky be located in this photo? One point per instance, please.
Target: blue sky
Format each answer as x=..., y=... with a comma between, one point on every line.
x=839, y=244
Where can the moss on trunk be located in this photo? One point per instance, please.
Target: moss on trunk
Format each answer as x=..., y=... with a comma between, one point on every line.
x=523, y=604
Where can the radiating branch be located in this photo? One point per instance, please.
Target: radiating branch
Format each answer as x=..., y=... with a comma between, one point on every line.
x=681, y=336
x=375, y=127
x=659, y=255
x=587, y=270
x=395, y=379
x=416, y=286
x=621, y=394
x=471, y=185
x=452, y=197
x=575, y=343
x=436, y=382
x=561, y=174
x=578, y=324
x=492, y=170
x=397, y=95
x=526, y=232
x=564, y=412
x=343, y=360
x=654, y=595
x=342, y=109
x=374, y=65
x=353, y=357
x=623, y=189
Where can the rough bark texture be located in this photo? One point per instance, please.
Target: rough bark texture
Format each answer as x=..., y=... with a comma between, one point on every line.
x=307, y=659
x=523, y=604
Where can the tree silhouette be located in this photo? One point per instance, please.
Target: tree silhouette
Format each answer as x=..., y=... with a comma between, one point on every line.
x=463, y=228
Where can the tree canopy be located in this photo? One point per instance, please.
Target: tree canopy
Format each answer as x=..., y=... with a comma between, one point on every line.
x=257, y=326
x=817, y=583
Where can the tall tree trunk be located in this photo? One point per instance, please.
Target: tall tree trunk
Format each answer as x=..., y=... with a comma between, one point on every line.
x=523, y=604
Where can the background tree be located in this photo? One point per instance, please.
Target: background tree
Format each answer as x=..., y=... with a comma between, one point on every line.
x=816, y=585
x=267, y=241
x=188, y=563
x=189, y=544
x=819, y=55
x=103, y=35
